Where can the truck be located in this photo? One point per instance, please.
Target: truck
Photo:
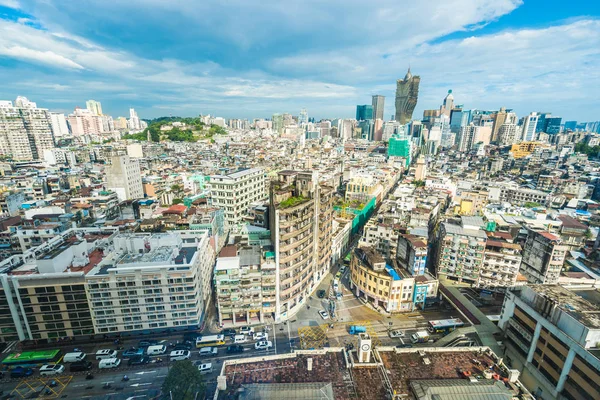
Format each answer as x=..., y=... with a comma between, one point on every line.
x=356, y=329
x=419, y=337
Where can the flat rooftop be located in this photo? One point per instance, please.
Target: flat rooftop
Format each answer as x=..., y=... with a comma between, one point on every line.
x=581, y=304
x=365, y=382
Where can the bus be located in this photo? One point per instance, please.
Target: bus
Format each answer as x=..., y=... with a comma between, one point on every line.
x=210, y=340
x=32, y=359
x=444, y=325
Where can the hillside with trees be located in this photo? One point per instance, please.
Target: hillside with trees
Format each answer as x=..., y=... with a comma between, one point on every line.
x=193, y=130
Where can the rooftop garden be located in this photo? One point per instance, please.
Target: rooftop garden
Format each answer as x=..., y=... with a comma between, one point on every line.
x=356, y=204
x=293, y=201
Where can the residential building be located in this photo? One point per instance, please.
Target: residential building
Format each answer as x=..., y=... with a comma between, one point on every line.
x=278, y=123
x=573, y=233
x=400, y=146
x=421, y=169
x=552, y=337
x=383, y=238
x=301, y=223
x=523, y=149
x=94, y=107
x=378, y=107
x=235, y=192
x=460, y=252
x=58, y=123
x=84, y=122
x=407, y=93
x=124, y=177
x=543, y=257
x=151, y=281
x=501, y=263
x=412, y=253
x=134, y=122
x=508, y=134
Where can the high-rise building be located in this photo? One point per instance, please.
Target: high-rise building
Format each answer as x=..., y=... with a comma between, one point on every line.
x=543, y=257
x=134, y=121
x=301, y=224
x=541, y=122
x=124, y=177
x=58, y=123
x=277, y=123
x=367, y=129
x=400, y=146
x=235, y=192
x=94, y=106
x=25, y=130
x=407, y=93
x=448, y=104
x=470, y=135
x=570, y=125
x=528, y=127
x=364, y=112
x=378, y=107
x=421, y=170
x=552, y=126
x=303, y=117
x=83, y=122
x=508, y=134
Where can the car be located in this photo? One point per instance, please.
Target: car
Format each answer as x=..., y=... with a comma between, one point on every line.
x=335, y=287
x=205, y=368
x=190, y=337
x=324, y=314
x=20, y=372
x=228, y=332
x=180, y=355
x=396, y=334
x=261, y=336
x=321, y=294
x=183, y=346
x=106, y=354
x=343, y=269
x=246, y=330
x=138, y=360
x=209, y=351
x=80, y=366
x=235, y=349
x=338, y=275
x=263, y=345
x=132, y=352
x=147, y=343
x=52, y=369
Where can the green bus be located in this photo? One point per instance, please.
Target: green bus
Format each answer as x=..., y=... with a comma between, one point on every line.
x=31, y=359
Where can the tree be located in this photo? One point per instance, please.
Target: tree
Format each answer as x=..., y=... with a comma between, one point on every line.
x=177, y=201
x=419, y=183
x=184, y=382
x=532, y=204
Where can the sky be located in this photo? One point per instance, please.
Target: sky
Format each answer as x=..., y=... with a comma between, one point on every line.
x=250, y=59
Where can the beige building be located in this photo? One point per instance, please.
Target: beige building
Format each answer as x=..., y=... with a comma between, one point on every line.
x=460, y=252
x=124, y=177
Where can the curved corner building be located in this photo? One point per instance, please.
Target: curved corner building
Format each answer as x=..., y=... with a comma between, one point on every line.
x=407, y=92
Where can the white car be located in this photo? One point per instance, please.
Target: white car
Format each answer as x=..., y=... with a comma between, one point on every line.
x=396, y=334
x=246, y=330
x=324, y=314
x=106, y=354
x=263, y=345
x=52, y=369
x=205, y=368
x=180, y=355
x=208, y=351
x=261, y=336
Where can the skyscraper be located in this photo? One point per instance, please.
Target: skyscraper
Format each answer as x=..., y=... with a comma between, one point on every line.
x=378, y=106
x=529, y=124
x=94, y=106
x=448, y=104
x=364, y=112
x=124, y=177
x=59, y=124
x=134, y=120
x=303, y=118
x=407, y=92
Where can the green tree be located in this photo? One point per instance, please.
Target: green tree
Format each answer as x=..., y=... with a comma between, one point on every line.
x=532, y=204
x=177, y=201
x=176, y=188
x=419, y=183
x=183, y=382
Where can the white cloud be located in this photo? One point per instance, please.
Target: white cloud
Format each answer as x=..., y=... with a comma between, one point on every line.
x=40, y=57
x=10, y=4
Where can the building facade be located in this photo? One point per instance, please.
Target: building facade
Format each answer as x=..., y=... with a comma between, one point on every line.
x=124, y=177
x=407, y=94
x=543, y=257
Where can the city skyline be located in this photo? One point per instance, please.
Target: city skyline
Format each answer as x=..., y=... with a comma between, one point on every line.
x=62, y=61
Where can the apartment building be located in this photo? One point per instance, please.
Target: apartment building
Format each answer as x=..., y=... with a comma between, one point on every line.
x=552, y=335
x=235, y=192
x=517, y=196
x=573, y=232
x=543, y=257
x=501, y=263
x=151, y=281
x=124, y=177
x=387, y=287
x=412, y=253
x=460, y=252
x=382, y=237
x=301, y=222
x=246, y=283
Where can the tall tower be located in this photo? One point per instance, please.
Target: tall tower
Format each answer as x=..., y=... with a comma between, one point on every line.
x=448, y=103
x=378, y=106
x=407, y=92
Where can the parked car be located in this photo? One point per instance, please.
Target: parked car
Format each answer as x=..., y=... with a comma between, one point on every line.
x=20, y=372
x=138, y=360
x=52, y=369
x=338, y=275
x=261, y=336
x=235, y=349
x=106, y=354
x=147, y=343
x=180, y=355
x=183, y=346
x=132, y=352
x=80, y=366
x=246, y=330
x=396, y=334
x=109, y=363
x=228, y=332
x=324, y=314
x=321, y=293
x=211, y=351
x=343, y=269
x=190, y=337
x=263, y=345
x=205, y=368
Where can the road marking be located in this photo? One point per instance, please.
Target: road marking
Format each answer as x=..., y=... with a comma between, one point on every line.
x=141, y=384
x=160, y=376
x=135, y=379
x=145, y=372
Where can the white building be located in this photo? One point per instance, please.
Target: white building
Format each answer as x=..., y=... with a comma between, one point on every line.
x=58, y=123
x=134, y=150
x=124, y=177
x=529, y=125
x=94, y=107
x=84, y=122
x=235, y=192
x=134, y=121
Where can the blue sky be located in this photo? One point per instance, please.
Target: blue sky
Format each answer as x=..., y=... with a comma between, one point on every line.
x=244, y=58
